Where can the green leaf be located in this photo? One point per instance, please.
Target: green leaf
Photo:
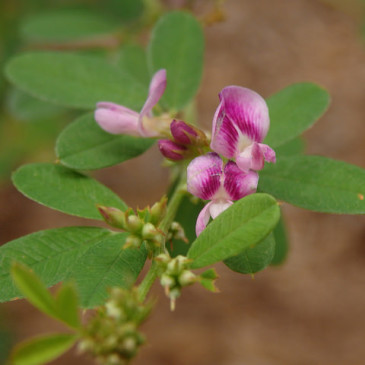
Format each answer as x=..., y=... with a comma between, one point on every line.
x=33, y=289
x=50, y=253
x=42, y=349
x=281, y=243
x=68, y=305
x=177, y=45
x=294, y=147
x=27, y=108
x=72, y=80
x=105, y=265
x=66, y=26
x=316, y=183
x=186, y=215
x=293, y=110
x=244, y=224
x=253, y=259
x=65, y=190
x=133, y=61
x=84, y=145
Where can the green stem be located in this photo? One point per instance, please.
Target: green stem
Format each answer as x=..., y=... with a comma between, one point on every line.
x=164, y=226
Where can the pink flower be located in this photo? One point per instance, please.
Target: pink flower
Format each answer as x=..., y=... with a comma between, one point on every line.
x=240, y=124
x=172, y=150
x=117, y=119
x=209, y=179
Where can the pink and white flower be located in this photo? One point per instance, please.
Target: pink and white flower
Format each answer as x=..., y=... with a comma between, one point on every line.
x=240, y=124
x=118, y=119
x=209, y=179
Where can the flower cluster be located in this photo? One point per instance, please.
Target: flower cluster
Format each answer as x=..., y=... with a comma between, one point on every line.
x=112, y=335
x=240, y=124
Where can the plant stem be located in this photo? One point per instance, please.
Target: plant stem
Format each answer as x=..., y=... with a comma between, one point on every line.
x=164, y=226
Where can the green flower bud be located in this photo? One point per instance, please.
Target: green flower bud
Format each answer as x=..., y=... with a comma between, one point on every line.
x=113, y=216
x=134, y=224
x=132, y=242
x=187, y=278
x=149, y=231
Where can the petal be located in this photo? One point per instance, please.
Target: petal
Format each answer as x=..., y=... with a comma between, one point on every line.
x=171, y=150
x=225, y=136
x=241, y=118
x=251, y=158
x=204, y=175
x=217, y=207
x=203, y=219
x=116, y=119
x=157, y=88
x=268, y=152
x=238, y=183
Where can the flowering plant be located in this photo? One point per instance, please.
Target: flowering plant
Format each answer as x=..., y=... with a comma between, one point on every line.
x=241, y=179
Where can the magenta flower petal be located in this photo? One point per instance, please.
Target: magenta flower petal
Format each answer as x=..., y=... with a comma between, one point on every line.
x=156, y=90
x=238, y=183
x=182, y=132
x=242, y=117
x=204, y=175
x=116, y=119
x=203, y=219
x=269, y=153
x=171, y=150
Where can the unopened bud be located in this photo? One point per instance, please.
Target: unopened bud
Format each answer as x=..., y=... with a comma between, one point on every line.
x=134, y=224
x=132, y=242
x=158, y=211
x=149, y=231
x=171, y=150
x=113, y=216
x=187, y=278
x=167, y=281
x=187, y=134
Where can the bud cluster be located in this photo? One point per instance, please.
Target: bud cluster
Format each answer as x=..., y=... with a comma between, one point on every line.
x=142, y=225
x=175, y=274
x=187, y=141
x=112, y=335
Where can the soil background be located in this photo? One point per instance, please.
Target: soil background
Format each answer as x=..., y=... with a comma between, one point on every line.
x=311, y=310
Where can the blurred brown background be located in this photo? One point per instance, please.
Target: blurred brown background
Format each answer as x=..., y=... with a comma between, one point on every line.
x=312, y=309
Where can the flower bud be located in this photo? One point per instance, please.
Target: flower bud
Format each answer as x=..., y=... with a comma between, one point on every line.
x=171, y=150
x=134, y=224
x=149, y=231
x=113, y=216
x=167, y=281
x=132, y=241
x=158, y=210
x=187, y=134
x=187, y=278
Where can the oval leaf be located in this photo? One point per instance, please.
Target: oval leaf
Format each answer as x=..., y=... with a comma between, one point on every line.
x=50, y=253
x=244, y=224
x=84, y=145
x=177, y=44
x=253, y=259
x=40, y=350
x=68, y=305
x=293, y=110
x=316, y=183
x=65, y=190
x=65, y=25
x=106, y=265
x=73, y=80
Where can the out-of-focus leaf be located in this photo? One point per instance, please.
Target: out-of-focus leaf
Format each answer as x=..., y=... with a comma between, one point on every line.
x=281, y=243
x=73, y=80
x=42, y=349
x=65, y=25
x=177, y=45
